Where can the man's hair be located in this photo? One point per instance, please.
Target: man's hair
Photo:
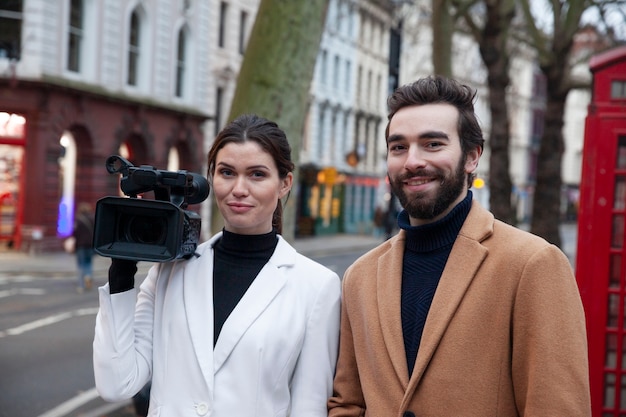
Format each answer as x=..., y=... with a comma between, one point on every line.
x=436, y=90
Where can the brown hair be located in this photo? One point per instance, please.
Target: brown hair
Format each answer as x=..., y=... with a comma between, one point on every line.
x=267, y=134
x=438, y=89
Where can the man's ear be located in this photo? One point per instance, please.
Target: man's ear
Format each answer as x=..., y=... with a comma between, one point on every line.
x=472, y=158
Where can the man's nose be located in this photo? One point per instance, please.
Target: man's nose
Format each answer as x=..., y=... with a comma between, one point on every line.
x=415, y=158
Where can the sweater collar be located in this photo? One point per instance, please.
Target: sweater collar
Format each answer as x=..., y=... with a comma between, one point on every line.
x=248, y=243
x=432, y=236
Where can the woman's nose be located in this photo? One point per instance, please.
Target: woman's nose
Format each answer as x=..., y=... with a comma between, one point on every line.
x=240, y=186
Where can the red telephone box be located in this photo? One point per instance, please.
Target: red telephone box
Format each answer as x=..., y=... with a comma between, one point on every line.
x=601, y=253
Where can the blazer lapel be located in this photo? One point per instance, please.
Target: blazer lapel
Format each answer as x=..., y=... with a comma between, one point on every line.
x=389, y=288
x=198, y=301
x=264, y=288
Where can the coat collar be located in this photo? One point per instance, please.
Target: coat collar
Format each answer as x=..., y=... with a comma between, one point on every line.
x=198, y=301
x=465, y=258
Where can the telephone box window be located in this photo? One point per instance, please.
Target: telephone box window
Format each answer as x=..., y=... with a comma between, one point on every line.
x=621, y=153
x=614, y=274
x=611, y=351
x=618, y=89
x=619, y=202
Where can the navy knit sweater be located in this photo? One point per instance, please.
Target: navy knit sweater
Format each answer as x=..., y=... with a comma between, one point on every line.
x=425, y=255
x=238, y=259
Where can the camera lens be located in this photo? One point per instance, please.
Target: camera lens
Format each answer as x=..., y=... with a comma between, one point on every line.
x=146, y=229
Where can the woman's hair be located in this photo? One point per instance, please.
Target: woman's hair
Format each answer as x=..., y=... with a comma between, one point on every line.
x=271, y=138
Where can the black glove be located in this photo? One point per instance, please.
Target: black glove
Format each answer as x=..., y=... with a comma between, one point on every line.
x=122, y=275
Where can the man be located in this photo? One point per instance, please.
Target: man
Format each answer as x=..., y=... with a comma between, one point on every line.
x=459, y=314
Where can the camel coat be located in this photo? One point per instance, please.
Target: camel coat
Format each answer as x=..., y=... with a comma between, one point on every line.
x=505, y=335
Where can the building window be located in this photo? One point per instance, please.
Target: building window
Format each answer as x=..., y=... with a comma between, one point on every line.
x=243, y=29
x=321, y=121
x=379, y=86
x=180, y=63
x=222, y=27
x=76, y=34
x=368, y=91
x=219, y=103
x=359, y=82
x=10, y=29
x=336, y=70
x=347, y=77
x=323, y=63
x=133, y=48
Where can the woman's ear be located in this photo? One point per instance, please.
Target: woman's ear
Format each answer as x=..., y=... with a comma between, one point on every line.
x=285, y=185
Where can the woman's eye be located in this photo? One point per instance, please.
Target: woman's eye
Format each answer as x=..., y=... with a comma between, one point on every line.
x=226, y=172
x=258, y=174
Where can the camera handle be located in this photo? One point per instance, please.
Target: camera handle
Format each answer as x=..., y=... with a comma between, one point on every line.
x=116, y=163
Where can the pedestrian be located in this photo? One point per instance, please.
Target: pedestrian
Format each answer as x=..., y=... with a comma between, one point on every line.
x=379, y=221
x=391, y=217
x=459, y=314
x=247, y=327
x=83, y=245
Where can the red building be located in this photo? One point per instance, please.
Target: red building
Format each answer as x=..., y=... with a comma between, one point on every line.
x=54, y=141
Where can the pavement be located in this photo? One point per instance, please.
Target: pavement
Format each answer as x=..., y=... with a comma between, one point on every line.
x=61, y=263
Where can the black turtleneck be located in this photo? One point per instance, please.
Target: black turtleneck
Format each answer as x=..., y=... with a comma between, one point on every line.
x=425, y=255
x=238, y=259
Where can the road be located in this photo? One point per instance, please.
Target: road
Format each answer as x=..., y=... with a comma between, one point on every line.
x=46, y=334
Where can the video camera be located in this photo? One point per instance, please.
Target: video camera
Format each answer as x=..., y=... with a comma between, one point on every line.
x=158, y=230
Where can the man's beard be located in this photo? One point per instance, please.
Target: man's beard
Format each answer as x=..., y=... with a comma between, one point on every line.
x=419, y=206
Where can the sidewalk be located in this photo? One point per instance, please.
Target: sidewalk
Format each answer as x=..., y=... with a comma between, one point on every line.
x=61, y=263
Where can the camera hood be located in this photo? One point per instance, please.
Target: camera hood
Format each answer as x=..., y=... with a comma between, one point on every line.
x=144, y=230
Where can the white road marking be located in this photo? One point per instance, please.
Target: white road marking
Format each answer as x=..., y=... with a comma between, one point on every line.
x=46, y=321
x=25, y=291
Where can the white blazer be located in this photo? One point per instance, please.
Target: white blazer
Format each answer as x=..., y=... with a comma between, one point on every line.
x=275, y=355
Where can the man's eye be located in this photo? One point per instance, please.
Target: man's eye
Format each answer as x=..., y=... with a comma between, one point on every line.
x=393, y=148
x=433, y=144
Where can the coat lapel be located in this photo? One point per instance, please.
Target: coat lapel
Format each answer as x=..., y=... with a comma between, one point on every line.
x=465, y=258
x=389, y=288
x=264, y=288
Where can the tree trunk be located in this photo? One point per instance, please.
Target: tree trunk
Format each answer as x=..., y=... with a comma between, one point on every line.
x=493, y=50
x=276, y=75
x=554, y=58
x=546, y=213
x=443, y=29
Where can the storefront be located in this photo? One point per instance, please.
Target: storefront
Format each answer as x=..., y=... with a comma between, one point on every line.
x=12, y=140
x=54, y=141
x=331, y=202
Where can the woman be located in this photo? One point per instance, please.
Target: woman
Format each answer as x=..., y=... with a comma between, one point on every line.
x=249, y=327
